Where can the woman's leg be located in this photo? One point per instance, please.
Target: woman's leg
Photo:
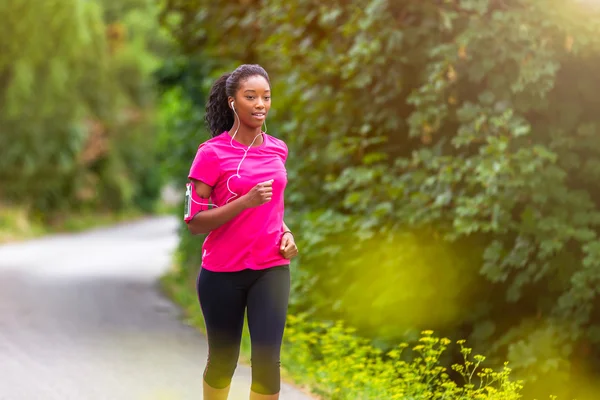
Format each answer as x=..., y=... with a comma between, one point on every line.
x=267, y=310
x=223, y=302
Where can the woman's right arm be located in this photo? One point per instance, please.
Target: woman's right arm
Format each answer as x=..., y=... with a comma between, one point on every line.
x=205, y=221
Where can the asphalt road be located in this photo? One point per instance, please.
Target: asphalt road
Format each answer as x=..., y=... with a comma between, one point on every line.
x=82, y=318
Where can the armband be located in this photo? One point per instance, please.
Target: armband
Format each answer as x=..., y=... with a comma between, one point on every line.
x=194, y=204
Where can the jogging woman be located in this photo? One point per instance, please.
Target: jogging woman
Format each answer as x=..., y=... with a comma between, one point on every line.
x=238, y=178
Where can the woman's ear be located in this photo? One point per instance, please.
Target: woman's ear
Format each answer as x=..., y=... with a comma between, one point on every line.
x=231, y=102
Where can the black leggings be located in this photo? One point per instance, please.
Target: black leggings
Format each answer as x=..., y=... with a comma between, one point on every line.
x=224, y=297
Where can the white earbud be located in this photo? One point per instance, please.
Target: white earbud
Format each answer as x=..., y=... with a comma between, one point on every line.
x=245, y=150
x=237, y=174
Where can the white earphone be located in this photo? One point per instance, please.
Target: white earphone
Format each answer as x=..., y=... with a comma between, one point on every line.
x=237, y=174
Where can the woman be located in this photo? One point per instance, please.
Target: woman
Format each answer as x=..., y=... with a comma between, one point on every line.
x=239, y=178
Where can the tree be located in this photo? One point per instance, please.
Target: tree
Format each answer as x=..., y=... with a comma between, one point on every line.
x=76, y=124
x=49, y=52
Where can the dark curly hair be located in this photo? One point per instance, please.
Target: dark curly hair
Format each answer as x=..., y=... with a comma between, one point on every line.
x=219, y=116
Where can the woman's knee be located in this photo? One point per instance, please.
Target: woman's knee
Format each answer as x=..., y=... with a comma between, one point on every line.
x=219, y=371
x=266, y=374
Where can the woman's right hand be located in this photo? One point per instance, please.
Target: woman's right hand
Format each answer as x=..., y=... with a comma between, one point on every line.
x=259, y=194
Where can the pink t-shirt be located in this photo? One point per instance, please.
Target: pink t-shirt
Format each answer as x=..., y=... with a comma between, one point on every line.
x=250, y=240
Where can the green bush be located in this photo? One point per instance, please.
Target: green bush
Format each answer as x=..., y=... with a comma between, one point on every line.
x=42, y=102
x=77, y=128
x=338, y=365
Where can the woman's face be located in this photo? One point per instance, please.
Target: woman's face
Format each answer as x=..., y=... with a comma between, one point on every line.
x=252, y=101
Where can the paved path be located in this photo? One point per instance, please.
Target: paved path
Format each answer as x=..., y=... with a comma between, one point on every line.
x=81, y=318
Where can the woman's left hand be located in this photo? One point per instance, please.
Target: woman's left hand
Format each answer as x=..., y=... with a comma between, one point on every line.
x=288, y=247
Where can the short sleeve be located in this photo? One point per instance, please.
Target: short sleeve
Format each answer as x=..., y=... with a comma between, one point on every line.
x=206, y=166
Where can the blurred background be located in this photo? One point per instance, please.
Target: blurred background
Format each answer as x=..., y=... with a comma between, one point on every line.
x=443, y=170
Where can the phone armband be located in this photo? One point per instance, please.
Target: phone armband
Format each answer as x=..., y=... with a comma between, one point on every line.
x=194, y=204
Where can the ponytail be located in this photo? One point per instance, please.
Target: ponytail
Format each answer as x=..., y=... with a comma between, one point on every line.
x=219, y=117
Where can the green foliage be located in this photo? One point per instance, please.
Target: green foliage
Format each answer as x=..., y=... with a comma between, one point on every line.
x=474, y=121
x=338, y=365
x=77, y=129
x=406, y=262
x=41, y=111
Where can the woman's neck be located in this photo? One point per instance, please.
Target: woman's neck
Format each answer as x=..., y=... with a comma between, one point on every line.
x=246, y=135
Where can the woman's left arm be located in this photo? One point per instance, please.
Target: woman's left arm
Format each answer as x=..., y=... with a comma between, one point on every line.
x=288, y=247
